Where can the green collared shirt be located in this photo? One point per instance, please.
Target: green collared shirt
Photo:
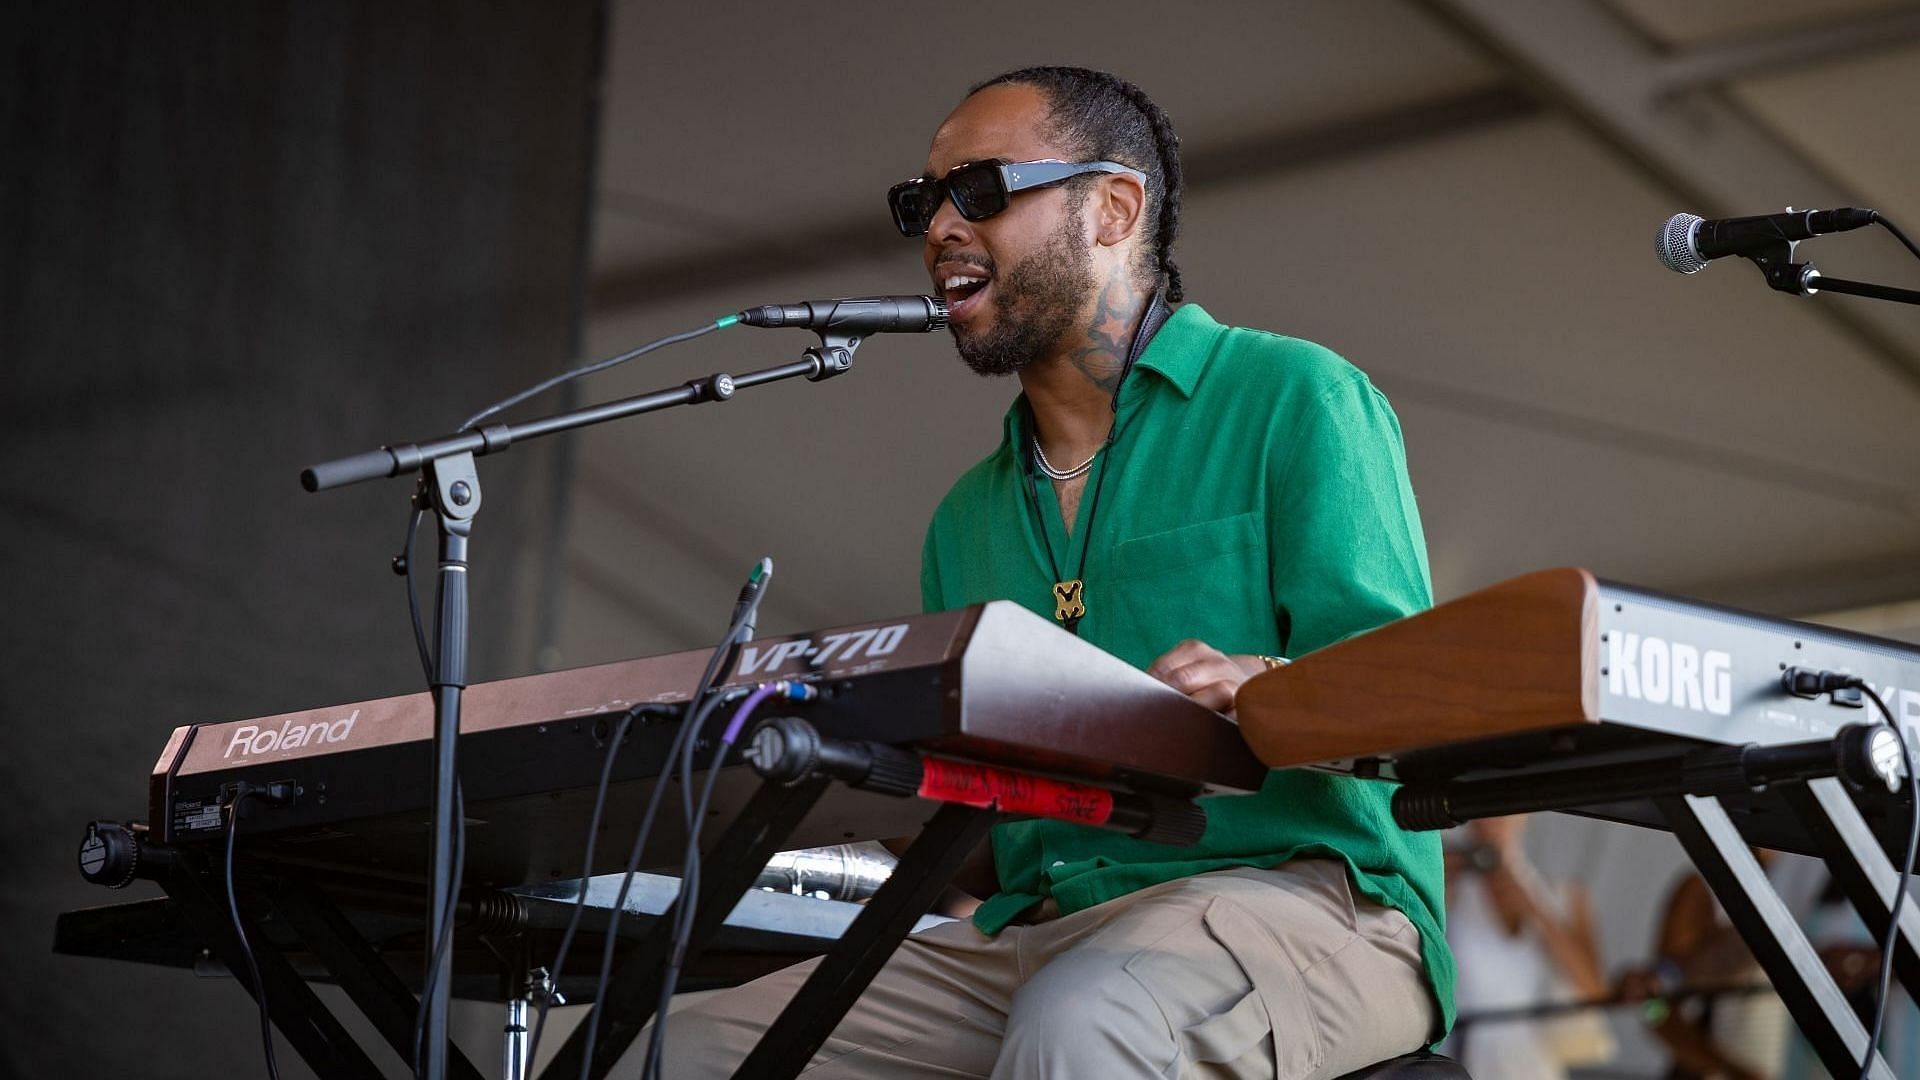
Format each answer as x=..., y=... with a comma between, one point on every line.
x=1258, y=501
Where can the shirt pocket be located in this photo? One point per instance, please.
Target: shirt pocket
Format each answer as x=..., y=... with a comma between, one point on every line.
x=1207, y=580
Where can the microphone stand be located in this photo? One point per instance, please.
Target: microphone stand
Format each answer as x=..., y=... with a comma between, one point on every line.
x=1776, y=264
x=1819, y=282
x=451, y=488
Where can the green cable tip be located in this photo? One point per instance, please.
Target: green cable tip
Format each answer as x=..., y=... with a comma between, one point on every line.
x=725, y=321
x=759, y=571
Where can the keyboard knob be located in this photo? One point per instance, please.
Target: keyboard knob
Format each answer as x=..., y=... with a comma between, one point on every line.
x=109, y=854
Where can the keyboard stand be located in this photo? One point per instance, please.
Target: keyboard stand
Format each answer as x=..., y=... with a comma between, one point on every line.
x=1861, y=868
x=198, y=893
x=727, y=871
x=1797, y=972
x=845, y=973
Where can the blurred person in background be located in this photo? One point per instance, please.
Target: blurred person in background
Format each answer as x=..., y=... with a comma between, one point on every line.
x=1852, y=954
x=1520, y=942
x=1735, y=1035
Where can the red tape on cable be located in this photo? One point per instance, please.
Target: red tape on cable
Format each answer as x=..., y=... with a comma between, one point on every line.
x=1014, y=793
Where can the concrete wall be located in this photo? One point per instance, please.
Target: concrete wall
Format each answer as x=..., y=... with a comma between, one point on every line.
x=232, y=244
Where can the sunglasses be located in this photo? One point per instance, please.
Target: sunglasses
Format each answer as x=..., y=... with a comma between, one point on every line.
x=980, y=189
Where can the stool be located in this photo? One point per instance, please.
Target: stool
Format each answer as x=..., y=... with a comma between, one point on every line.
x=1420, y=1065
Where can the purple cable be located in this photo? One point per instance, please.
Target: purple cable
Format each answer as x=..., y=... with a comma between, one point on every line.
x=760, y=694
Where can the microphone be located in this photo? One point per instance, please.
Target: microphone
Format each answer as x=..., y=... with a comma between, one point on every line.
x=1688, y=242
x=857, y=316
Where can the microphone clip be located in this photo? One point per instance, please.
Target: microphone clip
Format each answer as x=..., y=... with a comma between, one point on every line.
x=833, y=356
x=1775, y=261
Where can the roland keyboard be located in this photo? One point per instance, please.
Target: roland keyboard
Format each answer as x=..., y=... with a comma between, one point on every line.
x=991, y=683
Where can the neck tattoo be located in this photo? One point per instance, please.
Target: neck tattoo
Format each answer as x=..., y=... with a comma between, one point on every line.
x=1104, y=359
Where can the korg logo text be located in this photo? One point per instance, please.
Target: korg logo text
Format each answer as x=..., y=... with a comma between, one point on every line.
x=250, y=739
x=1669, y=673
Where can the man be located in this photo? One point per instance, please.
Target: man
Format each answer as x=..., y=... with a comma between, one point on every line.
x=1526, y=942
x=1192, y=498
x=1727, y=1037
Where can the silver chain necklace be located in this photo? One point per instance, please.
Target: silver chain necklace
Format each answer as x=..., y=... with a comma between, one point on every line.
x=1046, y=466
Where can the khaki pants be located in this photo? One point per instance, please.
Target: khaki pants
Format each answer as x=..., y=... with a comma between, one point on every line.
x=1238, y=973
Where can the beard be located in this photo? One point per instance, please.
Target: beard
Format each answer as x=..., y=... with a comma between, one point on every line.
x=1035, y=305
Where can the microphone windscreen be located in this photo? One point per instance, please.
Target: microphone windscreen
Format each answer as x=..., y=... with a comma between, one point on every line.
x=1674, y=243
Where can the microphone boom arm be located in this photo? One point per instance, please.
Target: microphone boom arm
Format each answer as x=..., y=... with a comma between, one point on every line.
x=833, y=356
x=1804, y=279
x=1819, y=282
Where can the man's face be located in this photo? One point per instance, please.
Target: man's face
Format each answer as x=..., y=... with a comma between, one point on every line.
x=1033, y=256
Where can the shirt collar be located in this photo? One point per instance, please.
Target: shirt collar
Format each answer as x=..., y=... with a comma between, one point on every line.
x=1174, y=344
x=1179, y=349
x=1151, y=321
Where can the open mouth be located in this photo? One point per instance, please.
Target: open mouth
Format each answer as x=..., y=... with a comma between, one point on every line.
x=963, y=292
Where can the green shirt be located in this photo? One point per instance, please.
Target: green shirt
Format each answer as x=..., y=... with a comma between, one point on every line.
x=1258, y=501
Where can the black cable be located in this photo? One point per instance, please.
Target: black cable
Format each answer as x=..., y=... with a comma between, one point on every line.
x=427, y=666
x=745, y=615
x=633, y=867
x=586, y=875
x=445, y=940
x=688, y=900
x=240, y=931
x=596, y=366
x=413, y=597
x=683, y=930
x=1881, y=220
x=1892, y=936
x=699, y=707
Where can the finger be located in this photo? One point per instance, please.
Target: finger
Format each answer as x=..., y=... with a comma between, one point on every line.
x=1186, y=652
x=1217, y=695
x=1178, y=656
x=1190, y=677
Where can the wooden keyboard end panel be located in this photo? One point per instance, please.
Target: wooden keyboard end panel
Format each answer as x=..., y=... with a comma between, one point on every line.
x=1514, y=657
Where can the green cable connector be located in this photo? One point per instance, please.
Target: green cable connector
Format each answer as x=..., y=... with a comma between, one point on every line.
x=725, y=321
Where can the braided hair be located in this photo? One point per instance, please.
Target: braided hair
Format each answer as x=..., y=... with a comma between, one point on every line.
x=1099, y=116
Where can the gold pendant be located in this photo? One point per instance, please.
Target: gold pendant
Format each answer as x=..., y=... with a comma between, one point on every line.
x=1069, y=601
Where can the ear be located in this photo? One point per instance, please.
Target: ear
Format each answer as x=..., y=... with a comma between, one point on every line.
x=1117, y=205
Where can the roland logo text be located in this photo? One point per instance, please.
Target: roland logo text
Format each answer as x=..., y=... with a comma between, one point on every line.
x=251, y=739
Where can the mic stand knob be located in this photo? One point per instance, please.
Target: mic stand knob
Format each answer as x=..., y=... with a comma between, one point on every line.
x=833, y=356
x=1776, y=264
x=786, y=749
x=109, y=854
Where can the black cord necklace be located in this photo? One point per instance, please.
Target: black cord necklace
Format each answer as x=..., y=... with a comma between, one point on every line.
x=1070, y=593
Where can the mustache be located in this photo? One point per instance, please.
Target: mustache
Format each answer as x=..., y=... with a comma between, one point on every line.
x=950, y=263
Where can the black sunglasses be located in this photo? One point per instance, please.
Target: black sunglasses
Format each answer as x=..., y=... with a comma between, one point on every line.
x=980, y=189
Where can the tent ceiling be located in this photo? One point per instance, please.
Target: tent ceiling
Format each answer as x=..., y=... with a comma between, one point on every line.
x=1371, y=175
